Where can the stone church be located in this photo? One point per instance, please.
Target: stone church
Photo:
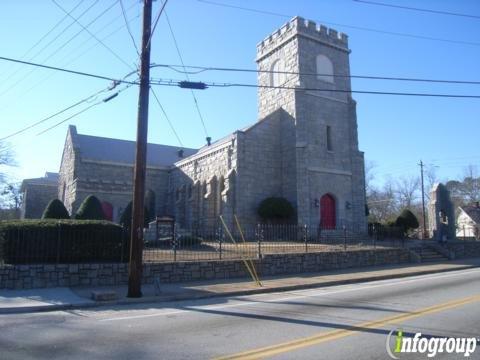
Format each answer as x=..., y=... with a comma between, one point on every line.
x=304, y=147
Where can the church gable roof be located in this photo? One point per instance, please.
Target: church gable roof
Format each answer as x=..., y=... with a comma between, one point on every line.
x=123, y=151
x=473, y=211
x=50, y=179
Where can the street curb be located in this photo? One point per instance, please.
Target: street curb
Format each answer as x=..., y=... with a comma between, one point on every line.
x=206, y=295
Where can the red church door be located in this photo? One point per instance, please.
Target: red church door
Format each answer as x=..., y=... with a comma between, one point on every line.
x=107, y=210
x=327, y=212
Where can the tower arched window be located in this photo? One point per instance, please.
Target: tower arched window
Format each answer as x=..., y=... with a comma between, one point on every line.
x=277, y=76
x=324, y=69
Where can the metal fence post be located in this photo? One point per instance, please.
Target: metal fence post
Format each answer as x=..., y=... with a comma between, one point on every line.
x=344, y=237
x=174, y=237
x=220, y=238
x=58, y=242
x=305, y=237
x=259, y=240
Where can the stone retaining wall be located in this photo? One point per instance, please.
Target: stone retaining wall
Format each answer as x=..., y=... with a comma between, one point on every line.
x=463, y=249
x=51, y=275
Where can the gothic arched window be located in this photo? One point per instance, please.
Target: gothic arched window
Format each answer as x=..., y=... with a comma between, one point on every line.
x=277, y=77
x=324, y=69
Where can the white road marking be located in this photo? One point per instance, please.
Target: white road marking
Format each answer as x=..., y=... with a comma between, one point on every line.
x=301, y=294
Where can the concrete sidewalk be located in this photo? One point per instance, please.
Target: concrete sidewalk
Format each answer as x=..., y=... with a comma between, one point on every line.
x=19, y=301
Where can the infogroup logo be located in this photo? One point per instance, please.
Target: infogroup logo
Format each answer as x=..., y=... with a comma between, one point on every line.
x=431, y=346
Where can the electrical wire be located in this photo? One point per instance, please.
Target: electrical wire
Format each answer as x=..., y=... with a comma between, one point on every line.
x=63, y=31
x=418, y=9
x=67, y=70
x=166, y=117
x=202, y=69
x=186, y=75
x=94, y=36
x=415, y=36
x=61, y=46
x=128, y=27
x=51, y=30
x=171, y=82
x=157, y=18
x=87, y=99
x=84, y=110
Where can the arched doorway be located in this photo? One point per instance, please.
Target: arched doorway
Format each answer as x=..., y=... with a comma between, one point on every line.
x=107, y=210
x=328, y=218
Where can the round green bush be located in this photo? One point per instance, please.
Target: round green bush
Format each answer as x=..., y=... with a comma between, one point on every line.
x=126, y=218
x=407, y=220
x=55, y=210
x=90, y=209
x=276, y=209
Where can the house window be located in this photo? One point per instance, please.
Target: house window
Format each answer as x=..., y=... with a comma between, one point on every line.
x=329, y=138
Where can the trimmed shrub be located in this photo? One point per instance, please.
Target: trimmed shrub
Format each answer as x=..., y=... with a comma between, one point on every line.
x=90, y=209
x=188, y=240
x=55, y=210
x=62, y=241
x=126, y=218
x=407, y=220
x=276, y=209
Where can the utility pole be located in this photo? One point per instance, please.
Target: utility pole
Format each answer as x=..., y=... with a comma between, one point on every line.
x=136, y=246
x=423, y=202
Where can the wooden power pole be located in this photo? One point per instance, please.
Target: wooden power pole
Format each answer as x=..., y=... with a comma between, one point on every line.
x=423, y=202
x=136, y=246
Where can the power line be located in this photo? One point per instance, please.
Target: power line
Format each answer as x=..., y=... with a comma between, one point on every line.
x=128, y=27
x=155, y=23
x=84, y=110
x=166, y=117
x=75, y=57
x=416, y=36
x=171, y=82
x=68, y=70
x=63, y=45
x=186, y=75
x=418, y=9
x=51, y=29
x=94, y=36
x=205, y=68
x=45, y=47
x=54, y=115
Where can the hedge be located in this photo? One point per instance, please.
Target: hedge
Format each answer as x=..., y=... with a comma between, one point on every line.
x=62, y=241
x=276, y=209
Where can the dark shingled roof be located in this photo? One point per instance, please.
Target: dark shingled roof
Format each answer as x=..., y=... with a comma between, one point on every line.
x=473, y=211
x=50, y=178
x=123, y=151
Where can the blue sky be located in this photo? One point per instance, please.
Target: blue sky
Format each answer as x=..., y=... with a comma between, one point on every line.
x=394, y=132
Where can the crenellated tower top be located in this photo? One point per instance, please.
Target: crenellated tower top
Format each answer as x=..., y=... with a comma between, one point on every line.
x=298, y=26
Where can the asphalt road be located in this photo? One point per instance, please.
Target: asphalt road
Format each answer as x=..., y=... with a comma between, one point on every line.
x=342, y=322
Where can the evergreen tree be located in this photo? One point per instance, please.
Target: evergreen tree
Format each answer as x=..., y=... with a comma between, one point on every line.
x=55, y=210
x=90, y=209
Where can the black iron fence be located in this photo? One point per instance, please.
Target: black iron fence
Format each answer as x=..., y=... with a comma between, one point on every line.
x=197, y=244
x=63, y=243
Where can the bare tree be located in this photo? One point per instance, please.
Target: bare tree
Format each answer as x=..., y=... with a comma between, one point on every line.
x=407, y=191
x=471, y=185
x=382, y=203
x=7, y=159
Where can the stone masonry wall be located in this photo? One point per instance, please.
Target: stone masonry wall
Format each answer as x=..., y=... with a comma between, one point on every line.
x=464, y=249
x=202, y=186
x=41, y=276
x=36, y=199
